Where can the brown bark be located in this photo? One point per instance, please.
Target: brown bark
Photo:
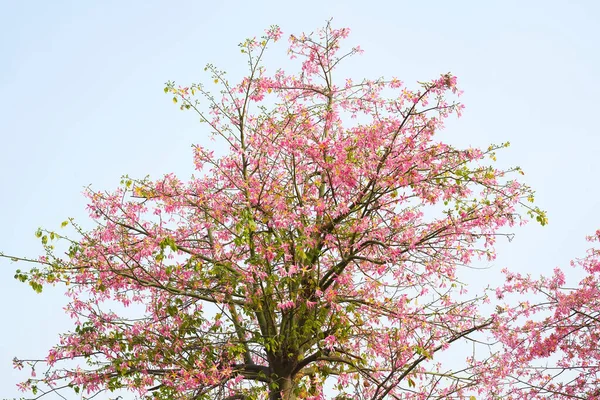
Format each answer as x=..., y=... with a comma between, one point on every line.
x=285, y=390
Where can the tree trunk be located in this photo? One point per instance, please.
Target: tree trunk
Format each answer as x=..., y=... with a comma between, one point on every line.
x=285, y=391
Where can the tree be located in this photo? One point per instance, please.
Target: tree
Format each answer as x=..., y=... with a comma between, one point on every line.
x=322, y=249
x=550, y=339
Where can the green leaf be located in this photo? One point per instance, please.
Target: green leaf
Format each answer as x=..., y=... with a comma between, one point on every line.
x=36, y=286
x=64, y=223
x=171, y=310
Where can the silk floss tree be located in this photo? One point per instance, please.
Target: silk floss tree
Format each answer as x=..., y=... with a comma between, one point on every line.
x=548, y=336
x=316, y=259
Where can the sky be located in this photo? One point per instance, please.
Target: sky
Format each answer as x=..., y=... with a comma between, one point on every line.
x=81, y=103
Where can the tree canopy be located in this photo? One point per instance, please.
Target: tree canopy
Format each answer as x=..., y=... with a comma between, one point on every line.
x=316, y=259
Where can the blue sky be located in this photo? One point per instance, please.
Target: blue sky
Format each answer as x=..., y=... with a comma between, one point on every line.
x=82, y=103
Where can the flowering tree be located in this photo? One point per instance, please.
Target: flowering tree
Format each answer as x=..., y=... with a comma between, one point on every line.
x=320, y=251
x=550, y=344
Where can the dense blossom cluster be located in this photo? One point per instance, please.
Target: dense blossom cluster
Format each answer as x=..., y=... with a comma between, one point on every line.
x=320, y=251
x=550, y=337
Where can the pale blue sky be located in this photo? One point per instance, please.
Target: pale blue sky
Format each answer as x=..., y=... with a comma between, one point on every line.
x=81, y=103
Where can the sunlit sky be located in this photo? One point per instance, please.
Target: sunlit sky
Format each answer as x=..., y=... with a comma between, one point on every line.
x=82, y=103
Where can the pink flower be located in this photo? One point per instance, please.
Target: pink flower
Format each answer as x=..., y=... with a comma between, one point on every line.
x=286, y=305
x=330, y=341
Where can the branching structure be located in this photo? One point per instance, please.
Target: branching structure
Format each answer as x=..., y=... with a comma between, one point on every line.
x=321, y=250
